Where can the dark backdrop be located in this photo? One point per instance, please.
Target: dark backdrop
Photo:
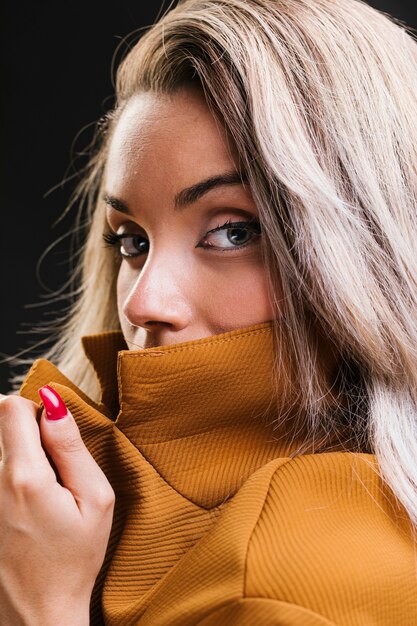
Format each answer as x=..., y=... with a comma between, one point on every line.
x=56, y=80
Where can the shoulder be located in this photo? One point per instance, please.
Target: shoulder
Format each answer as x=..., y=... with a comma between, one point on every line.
x=318, y=539
x=330, y=536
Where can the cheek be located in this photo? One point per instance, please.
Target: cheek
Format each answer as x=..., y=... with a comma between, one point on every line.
x=123, y=287
x=135, y=337
x=240, y=296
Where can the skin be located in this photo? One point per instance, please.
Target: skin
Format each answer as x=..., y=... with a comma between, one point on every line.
x=186, y=284
x=174, y=291
x=53, y=536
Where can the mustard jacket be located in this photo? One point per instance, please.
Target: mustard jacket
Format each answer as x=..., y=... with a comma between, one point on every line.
x=210, y=526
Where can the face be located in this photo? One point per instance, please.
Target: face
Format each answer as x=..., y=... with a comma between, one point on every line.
x=184, y=223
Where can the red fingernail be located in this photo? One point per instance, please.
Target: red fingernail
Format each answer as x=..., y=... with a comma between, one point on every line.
x=54, y=405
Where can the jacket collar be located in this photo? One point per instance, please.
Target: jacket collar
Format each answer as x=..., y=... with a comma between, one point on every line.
x=225, y=372
x=205, y=414
x=201, y=412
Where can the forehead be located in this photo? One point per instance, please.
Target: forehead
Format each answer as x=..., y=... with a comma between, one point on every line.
x=167, y=135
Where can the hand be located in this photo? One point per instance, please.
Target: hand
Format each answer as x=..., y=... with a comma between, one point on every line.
x=53, y=536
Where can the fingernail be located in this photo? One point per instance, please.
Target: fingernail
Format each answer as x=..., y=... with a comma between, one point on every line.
x=54, y=405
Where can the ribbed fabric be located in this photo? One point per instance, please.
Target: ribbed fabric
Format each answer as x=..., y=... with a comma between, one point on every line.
x=213, y=525
x=261, y=612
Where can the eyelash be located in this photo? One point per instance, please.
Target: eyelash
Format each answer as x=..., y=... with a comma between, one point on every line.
x=113, y=239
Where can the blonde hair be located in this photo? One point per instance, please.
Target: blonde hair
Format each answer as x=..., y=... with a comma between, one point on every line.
x=320, y=98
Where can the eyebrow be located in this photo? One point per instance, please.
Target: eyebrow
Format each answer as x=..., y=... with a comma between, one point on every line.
x=189, y=195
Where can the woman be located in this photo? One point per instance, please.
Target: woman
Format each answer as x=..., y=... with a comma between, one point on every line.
x=251, y=323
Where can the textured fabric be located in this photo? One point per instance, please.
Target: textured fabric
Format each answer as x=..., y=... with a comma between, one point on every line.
x=213, y=525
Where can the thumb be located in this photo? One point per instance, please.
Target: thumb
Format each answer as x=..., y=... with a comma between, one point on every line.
x=62, y=440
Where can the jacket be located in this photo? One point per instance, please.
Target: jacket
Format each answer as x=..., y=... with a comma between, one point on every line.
x=212, y=526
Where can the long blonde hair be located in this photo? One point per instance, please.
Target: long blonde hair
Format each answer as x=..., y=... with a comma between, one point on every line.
x=321, y=100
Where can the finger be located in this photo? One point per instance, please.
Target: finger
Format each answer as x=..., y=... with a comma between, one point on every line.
x=77, y=469
x=19, y=432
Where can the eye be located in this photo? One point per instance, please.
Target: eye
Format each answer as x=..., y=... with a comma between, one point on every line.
x=231, y=235
x=129, y=245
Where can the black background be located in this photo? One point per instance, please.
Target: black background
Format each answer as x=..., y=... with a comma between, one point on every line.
x=56, y=80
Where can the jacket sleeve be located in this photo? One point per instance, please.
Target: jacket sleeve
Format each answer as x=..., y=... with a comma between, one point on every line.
x=263, y=612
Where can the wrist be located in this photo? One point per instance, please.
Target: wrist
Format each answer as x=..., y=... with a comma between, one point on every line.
x=65, y=615
x=71, y=614
x=70, y=617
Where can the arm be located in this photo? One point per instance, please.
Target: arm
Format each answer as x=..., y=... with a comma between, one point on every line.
x=53, y=535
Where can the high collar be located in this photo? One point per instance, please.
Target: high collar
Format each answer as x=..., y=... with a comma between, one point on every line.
x=228, y=369
x=201, y=412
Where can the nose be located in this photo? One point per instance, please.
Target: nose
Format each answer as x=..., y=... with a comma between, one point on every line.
x=157, y=299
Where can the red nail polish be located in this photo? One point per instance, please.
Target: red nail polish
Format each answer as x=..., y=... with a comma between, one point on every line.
x=54, y=405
